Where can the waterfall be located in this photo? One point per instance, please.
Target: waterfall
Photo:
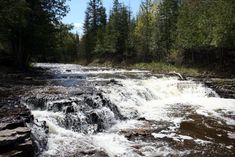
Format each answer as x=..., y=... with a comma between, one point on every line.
x=94, y=111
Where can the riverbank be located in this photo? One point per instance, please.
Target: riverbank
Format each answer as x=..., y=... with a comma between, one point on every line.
x=166, y=68
x=16, y=119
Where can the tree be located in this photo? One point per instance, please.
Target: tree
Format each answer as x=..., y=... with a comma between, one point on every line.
x=144, y=29
x=117, y=31
x=95, y=19
x=205, y=23
x=205, y=26
x=168, y=14
x=26, y=24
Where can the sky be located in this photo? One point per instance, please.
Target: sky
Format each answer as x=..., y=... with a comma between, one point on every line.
x=76, y=14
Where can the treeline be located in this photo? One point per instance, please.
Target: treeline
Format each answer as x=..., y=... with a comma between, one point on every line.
x=166, y=30
x=173, y=31
x=31, y=30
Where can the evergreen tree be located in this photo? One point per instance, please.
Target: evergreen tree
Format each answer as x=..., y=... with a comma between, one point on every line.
x=168, y=14
x=95, y=19
x=144, y=29
x=205, y=23
x=27, y=26
x=117, y=30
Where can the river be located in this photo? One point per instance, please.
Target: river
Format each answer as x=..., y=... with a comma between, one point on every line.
x=93, y=111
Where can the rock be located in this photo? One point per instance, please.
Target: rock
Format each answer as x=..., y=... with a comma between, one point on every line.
x=207, y=128
x=113, y=81
x=224, y=87
x=93, y=153
x=140, y=133
x=15, y=136
x=91, y=102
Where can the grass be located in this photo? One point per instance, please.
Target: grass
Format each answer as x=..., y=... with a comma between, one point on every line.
x=160, y=67
x=156, y=67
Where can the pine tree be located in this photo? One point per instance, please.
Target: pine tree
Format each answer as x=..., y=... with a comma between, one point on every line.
x=205, y=23
x=117, y=30
x=168, y=14
x=26, y=24
x=95, y=19
x=144, y=29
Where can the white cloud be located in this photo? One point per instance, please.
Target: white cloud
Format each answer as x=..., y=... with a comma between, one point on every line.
x=78, y=25
x=78, y=28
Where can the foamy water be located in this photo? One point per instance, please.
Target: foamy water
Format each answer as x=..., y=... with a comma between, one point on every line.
x=157, y=100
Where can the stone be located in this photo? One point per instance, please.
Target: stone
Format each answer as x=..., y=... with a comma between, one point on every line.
x=15, y=136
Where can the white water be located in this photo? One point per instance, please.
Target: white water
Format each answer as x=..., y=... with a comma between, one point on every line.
x=152, y=98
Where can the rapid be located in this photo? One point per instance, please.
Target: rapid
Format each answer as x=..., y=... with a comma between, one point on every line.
x=94, y=111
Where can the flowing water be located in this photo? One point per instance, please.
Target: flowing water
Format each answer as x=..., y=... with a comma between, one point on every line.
x=93, y=111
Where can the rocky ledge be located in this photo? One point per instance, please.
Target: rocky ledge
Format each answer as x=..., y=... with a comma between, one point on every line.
x=15, y=136
x=224, y=87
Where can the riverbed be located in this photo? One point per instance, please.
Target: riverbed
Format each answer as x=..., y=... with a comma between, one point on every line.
x=100, y=111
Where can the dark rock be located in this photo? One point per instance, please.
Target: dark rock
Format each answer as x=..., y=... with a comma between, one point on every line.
x=142, y=118
x=90, y=102
x=96, y=119
x=224, y=87
x=69, y=109
x=37, y=103
x=15, y=136
x=39, y=134
x=59, y=105
x=113, y=81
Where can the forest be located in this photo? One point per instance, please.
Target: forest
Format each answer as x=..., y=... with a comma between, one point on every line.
x=197, y=33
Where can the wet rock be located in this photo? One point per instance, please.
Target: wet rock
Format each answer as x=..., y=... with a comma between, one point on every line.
x=89, y=101
x=59, y=105
x=37, y=103
x=207, y=128
x=113, y=81
x=224, y=87
x=69, y=109
x=140, y=133
x=96, y=119
x=93, y=153
x=39, y=134
x=15, y=136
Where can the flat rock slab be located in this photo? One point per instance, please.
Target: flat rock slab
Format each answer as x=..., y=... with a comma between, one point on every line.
x=15, y=136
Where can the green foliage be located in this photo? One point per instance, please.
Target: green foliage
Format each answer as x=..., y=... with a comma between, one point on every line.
x=161, y=67
x=205, y=23
x=95, y=20
x=117, y=29
x=67, y=46
x=29, y=27
x=144, y=30
x=168, y=14
x=165, y=31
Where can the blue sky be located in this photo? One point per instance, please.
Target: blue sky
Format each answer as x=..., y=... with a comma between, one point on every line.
x=77, y=11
